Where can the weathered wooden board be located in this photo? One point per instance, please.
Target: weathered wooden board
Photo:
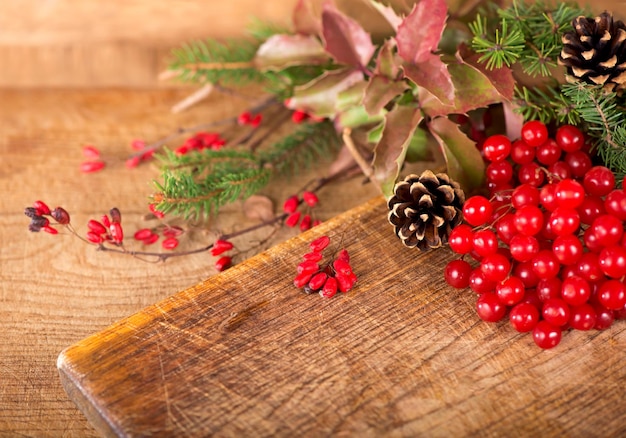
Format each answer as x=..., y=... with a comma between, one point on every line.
x=245, y=353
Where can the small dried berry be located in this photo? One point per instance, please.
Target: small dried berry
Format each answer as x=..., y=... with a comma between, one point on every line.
x=293, y=219
x=116, y=215
x=299, y=116
x=94, y=237
x=143, y=234
x=60, y=215
x=302, y=279
x=344, y=282
x=330, y=288
x=48, y=229
x=291, y=204
x=317, y=281
x=244, y=118
x=39, y=222
x=151, y=239
x=31, y=212
x=313, y=256
x=308, y=266
x=41, y=208
x=92, y=166
x=256, y=120
x=96, y=227
x=306, y=223
x=117, y=233
x=90, y=151
x=342, y=267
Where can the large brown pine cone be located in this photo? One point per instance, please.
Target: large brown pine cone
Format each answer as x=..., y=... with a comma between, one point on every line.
x=424, y=209
x=595, y=51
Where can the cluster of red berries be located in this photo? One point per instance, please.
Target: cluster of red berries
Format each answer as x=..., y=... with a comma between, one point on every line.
x=39, y=214
x=107, y=229
x=138, y=145
x=296, y=216
x=220, y=247
x=200, y=141
x=326, y=278
x=93, y=162
x=549, y=242
x=171, y=233
x=247, y=118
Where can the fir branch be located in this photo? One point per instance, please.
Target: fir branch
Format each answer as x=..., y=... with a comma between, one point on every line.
x=206, y=160
x=549, y=105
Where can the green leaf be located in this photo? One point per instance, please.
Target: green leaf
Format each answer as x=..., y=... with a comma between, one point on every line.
x=389, y=153
x=319, y=96
x=464, y=162
x=433, y=75
x=282, y=51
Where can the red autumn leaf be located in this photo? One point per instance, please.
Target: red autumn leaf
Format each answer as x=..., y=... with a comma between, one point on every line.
x=281, y=51
x=433, y=75
x=420, y=32
x=386, y=62
x=501, y=78
x=389, y=153
x=345, y=39
x=304, y=19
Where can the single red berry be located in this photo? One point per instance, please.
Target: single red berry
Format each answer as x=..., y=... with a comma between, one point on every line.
x=116, y=215
x=523, y=248
x=316, y=222
x=94, y=237
x=117, y=233
x=330, y=288
x=224, y=263
x=612, y=260
x=343, y=255
x=528, y=220
x=256, y=120
x=137, y=144
x=569, y=138
x=567, y=249
x=182, y=150
x=531, y=174
x=291, y=204
x=496, y=148
x=615, y=204
x=545, y=264
x=299, y=116
x=489, y=308
x=588, y=267
x=342, y=267
x=525, y=272
x=457, y=274
x=579, y=163
x=308, y=266
x=151, y=239
x=170, y=243
x=460, y=239
x=599, y=181
x=105, y=220
x=564, y=221
x=41, y=208
x=547, y=197
x=534, y=133
x=91, y=152
x=505, y=228
x=521, y=153
x=92, y=166
x=319, y=244
x=524, y=194
x=485, y=242
x=548, y=153
x=345, y=282
x=313, y=256
x=499, y=173
x=569, y=193
x=133, y=162
x=50, y=230
x=582, y=317
x=306, y=223
x=317, y=281
x=590, y=209
x=608, y=229
x=524, y=317
x=575, y=290
x=549, y=288
x=495, y=267
x=220, y=246
x=479, y=283
x=310, y=198
x=293, y=219
x=96, y=227
x=604, y=317
x=546, y=335
x=556, y=311
x=510, y=291
x=477, y=210
x=244, y=118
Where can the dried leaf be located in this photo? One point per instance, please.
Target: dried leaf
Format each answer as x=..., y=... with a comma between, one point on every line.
x=433, y=75
x=259, y=207
x=344, y=161
x=380, y=91
x=281, y=51
x=501, y=78
x=345, y=39
x=464, y=162
x=318, y=97
x=420, y=32
x=304, y=19
x=388, y=14
x=400, y=125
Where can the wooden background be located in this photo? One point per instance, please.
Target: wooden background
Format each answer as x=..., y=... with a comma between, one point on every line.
x=78, y=72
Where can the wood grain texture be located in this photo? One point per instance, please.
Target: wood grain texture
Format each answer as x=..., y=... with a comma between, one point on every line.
x=54, y=290
x=245, y=353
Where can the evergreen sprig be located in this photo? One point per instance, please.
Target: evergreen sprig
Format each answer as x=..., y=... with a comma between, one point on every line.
x=201, y=183
x=524, y=33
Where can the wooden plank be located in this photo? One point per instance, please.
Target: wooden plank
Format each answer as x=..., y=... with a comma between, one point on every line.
x=245, y=353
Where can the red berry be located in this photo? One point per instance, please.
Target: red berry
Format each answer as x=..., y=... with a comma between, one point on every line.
x=457, y=274
x=170, y=243
x=293, y=219
x=155, y=212
x=460, y=239
x=548, y=153
x=151, y=239
x=528, y=220
x=524, y=317
x=564, y=221
x=588, y=267
x=116, y=215
x=575, y=290
x=523, y=248
x=479, y=282
x=578, y=162
x=224, y=263
x=556, y=311
x=499, y=173
x=604, y=317
x=599, y=181
x=531, y=174
x=308, y=266
x=256, y=120
x=174, y=231
x=220, y=246
x=545, y=264
x=612, y=295
x=298, y=116
x=608, y=229
x=342, y=267
x=560, y=170
x=534, y=133
x=41, y=208
x=525, y=272
x=484, y=242
x=92, y=166
x=317, y=281
x=582, y=317
x=495, y=267
x=612, y=260
x=330, y=288
x=569, y=193
x=90, y=151
x=477, y=210
x=567, y=249
x=143, y=234
x=549, y=288
x=590, y=209
x=117, y=234
x=524, y=194
x=310, y=198
x=291, y=204
x=319, y=244
x=505, y=228
x=547, y=197
x=546, y=335
x=313, y=256
x=510, y=291
x=94, y=237
x=521, y=153
x=137, y=144
x=306, y=223
x=133, y=162
x=615, y=204
x=569, y=138
x=489, y=307
x=345, y=282
x=496, y=148
x=244, y=118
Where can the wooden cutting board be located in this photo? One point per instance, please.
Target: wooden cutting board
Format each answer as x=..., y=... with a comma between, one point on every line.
x=247, y=354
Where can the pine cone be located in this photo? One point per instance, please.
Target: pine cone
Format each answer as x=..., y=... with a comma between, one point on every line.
x=595, y=51
x=424, y=209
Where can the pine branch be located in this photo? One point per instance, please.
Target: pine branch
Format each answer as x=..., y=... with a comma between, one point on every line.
x=548, y=106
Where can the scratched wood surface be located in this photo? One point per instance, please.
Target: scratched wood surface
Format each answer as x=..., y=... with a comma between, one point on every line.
x=245, y=353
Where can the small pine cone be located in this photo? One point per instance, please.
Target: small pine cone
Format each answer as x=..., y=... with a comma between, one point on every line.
x=424, y=209
x=595, y=52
